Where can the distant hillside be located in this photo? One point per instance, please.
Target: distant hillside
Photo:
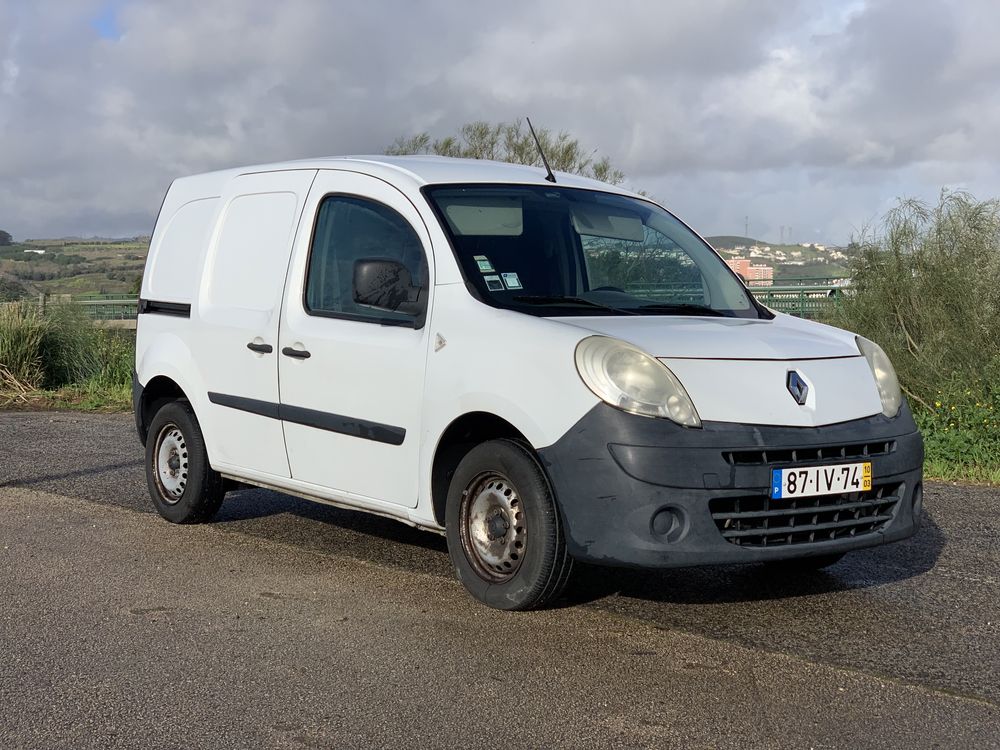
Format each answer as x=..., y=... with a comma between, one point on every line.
x=63, y=266
x=790, y=261
x=729, y=240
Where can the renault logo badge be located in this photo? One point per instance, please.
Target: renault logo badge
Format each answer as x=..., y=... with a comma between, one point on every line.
x=797, y=387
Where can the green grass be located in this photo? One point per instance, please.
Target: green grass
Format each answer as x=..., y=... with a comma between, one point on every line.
x=944, y=471
x=90, y=396
x=60, y=359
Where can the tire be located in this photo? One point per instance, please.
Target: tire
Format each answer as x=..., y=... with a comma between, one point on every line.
x=182, y=483
x=505, y=535
x=806, y=564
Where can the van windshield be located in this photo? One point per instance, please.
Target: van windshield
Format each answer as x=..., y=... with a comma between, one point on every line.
x=554, y=251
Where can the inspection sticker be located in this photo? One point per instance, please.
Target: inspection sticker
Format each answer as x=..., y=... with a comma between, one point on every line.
x=484, y=264
x=511, y=280
x=494, y=284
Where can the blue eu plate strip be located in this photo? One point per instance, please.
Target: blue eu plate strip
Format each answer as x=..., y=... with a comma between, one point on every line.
x=775, y=484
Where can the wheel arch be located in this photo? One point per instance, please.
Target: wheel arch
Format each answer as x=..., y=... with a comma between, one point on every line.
x=459, y=437
x=158, y=391
x=165, y=370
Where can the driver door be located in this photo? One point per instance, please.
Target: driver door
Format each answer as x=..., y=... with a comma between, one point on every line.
x=351, y=376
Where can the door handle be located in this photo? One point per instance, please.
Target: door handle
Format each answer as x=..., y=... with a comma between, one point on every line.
x=260, y=348
x=295, y=353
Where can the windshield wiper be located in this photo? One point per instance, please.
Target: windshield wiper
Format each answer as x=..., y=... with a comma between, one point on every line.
x=683, y=308
x=553, y=299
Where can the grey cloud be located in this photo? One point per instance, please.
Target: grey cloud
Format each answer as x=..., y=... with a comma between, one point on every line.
x=768, y=108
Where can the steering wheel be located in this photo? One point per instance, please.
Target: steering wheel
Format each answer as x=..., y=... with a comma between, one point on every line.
x=608, y=289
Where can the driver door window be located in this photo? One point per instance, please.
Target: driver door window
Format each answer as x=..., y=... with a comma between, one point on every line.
x=349, y=229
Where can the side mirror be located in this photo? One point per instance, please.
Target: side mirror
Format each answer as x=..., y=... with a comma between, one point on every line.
x=386, y=285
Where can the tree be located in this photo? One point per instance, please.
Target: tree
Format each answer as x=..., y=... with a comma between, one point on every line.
x=5, y=238
x=512, y=142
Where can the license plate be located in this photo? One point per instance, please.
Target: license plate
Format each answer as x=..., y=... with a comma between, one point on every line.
x=821, y=480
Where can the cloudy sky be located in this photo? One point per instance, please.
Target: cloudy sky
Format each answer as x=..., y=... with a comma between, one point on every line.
x=811, y=114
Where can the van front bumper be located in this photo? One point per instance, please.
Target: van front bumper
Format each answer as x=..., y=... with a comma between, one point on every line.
x=642, y=492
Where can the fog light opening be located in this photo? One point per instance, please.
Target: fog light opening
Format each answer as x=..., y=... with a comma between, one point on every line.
x=669, y=524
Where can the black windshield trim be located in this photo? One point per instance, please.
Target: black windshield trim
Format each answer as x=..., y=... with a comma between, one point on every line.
x=571, y=301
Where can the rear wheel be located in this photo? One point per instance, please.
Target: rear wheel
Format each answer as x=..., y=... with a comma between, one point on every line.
x=505, y=536
x=182, y=484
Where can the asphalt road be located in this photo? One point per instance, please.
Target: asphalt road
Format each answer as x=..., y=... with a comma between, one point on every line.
x=290, y=624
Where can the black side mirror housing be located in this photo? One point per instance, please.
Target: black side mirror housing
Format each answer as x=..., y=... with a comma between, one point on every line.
x=387, y=285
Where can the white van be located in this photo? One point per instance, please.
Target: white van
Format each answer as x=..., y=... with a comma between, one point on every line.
x=543, y=372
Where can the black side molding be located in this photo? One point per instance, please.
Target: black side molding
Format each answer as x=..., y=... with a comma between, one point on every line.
x=252, y=405
x=362, y=428
x=321, y=420
x=159, y=307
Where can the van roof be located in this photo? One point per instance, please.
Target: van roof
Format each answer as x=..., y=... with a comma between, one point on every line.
x=418, y=170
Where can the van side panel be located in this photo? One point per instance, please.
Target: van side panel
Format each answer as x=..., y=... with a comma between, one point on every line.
x=172, y=275
x=177, y=251
x=237, y=305
x=247, y=265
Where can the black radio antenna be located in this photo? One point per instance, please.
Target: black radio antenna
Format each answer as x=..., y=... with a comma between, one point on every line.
x=548, y=170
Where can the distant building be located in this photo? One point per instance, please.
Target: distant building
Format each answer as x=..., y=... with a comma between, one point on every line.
x=36, y=252
x=754, y=273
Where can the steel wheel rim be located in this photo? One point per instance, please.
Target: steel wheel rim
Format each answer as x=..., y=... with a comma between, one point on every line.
x=492, y=525
x=171, y=463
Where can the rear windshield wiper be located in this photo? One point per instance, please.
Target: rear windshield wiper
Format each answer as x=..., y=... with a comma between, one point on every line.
x=540, y=299
x=683, y=308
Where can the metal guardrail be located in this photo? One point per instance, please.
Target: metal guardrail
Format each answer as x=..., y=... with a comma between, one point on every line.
x=805, y=298
x=801, y=301
x=126, y=308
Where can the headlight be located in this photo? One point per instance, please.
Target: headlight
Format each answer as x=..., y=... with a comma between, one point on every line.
x=631, y=380
x=885, y=376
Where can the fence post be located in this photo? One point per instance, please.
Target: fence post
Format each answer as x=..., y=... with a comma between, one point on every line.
x=41, y=302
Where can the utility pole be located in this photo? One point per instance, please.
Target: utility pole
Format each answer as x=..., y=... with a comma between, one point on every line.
x=746, y=227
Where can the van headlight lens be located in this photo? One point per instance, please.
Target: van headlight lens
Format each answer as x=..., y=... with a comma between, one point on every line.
x=885, y=376
x=629, y=379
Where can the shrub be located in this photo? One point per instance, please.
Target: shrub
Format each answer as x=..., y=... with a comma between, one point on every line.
x=925, y=288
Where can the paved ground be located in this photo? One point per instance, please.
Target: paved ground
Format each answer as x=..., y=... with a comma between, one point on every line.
x=288, y=624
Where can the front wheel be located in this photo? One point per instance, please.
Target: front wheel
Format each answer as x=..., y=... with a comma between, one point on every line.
x=505, y=536
x=182, y=484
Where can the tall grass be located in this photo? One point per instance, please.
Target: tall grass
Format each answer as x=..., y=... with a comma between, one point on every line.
x=62, y=352
x=22, y=337
x=926, y=286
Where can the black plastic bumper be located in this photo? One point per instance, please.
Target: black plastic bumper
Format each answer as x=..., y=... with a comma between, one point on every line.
x=137, y=406
x=636, y=491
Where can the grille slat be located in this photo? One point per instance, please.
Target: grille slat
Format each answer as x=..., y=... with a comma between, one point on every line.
x=784, y=530
x=809, y=455
x=807, y=510
x=759, y=521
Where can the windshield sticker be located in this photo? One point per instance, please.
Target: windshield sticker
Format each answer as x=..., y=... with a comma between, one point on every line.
x=511, y=280
x=484, y=264
x=494, y=284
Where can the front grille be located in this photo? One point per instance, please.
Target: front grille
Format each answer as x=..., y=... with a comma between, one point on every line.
x=759, y=521
x=807, y=455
